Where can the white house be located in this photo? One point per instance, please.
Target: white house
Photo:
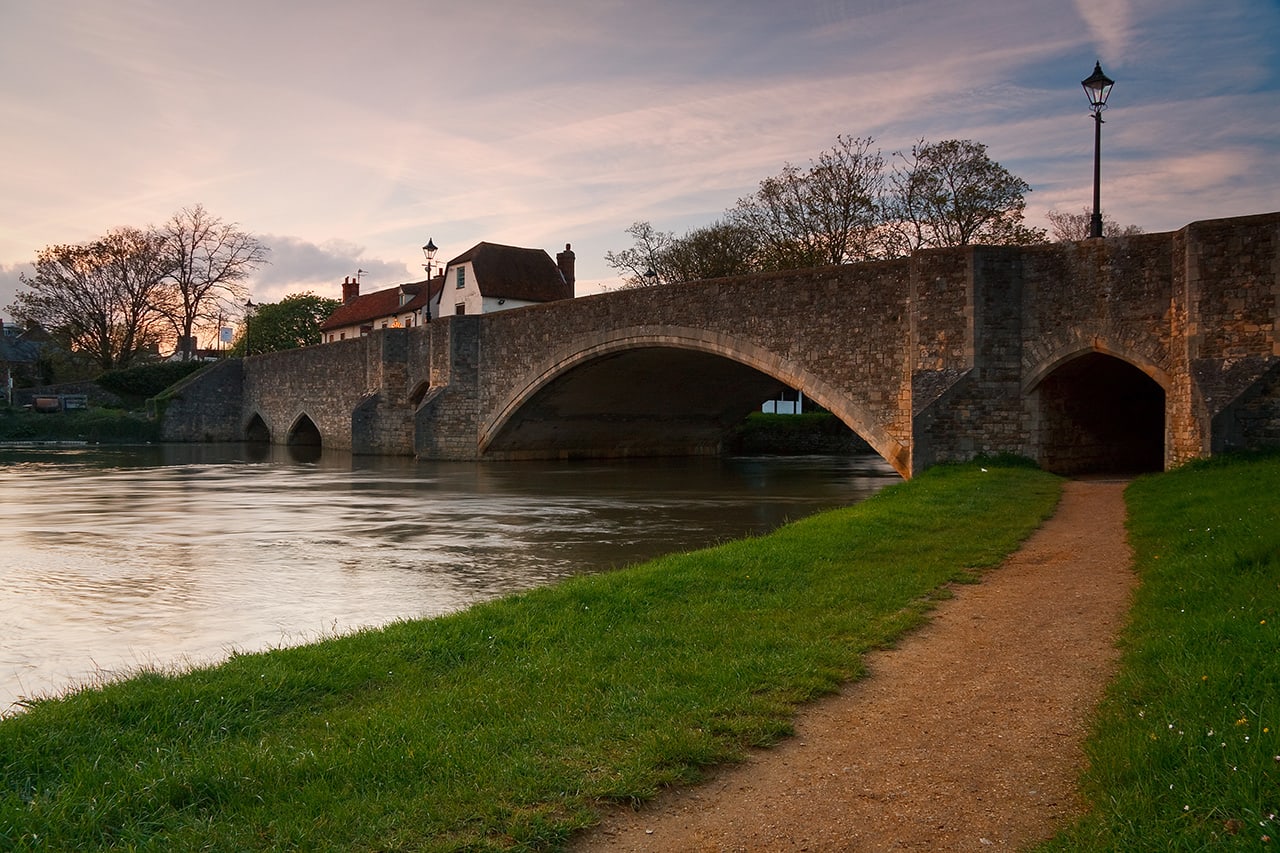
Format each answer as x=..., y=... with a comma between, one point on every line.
x=491, y=277
x=487, y=277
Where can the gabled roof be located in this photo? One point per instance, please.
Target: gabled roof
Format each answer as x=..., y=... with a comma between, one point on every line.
x=510, y=272
x=382, y=303
x=22, y=347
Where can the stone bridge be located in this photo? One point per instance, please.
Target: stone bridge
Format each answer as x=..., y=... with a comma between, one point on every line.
x=1131, y=353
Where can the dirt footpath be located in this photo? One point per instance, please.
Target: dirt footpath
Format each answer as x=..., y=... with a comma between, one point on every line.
x=965, y=737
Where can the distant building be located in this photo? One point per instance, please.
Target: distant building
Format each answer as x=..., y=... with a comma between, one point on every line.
x=20, y=353
x=487, y=277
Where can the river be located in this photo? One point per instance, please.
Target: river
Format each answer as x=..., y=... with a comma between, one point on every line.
x=169, y=556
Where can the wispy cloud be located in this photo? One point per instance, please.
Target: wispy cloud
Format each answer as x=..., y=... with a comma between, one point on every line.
x=351, y=132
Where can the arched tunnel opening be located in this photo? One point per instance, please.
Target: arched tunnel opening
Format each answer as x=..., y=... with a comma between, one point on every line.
x=304, y=440
x=256, y=431
x=1100, y=415
x=650, y=401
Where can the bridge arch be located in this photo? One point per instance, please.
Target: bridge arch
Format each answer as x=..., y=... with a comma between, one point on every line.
x=419, y=392
x=641, y=353
x=256, y=430
x=304, y=433
x=1098, y=409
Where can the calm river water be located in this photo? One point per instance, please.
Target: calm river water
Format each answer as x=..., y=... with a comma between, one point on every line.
x=171, y=555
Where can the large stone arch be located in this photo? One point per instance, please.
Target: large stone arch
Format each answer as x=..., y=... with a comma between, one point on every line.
x=566, y=360
x=1098, y=409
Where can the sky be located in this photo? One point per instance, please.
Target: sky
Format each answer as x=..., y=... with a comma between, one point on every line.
x=344, y=135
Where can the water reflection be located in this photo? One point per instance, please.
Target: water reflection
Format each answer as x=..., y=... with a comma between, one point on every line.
x=111, y=558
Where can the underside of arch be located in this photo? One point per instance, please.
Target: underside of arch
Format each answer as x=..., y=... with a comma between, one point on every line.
x=304, y=433
x=1097, y=413
x=256, y=430
x=654, y=395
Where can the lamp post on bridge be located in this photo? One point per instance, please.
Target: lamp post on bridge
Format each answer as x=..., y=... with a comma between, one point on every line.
x=249, y=310
x=429, y=251
x=1097, y=86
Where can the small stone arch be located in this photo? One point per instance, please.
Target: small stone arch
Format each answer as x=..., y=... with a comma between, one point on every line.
x=419, y=393
x=1095, y=411
x=304, y=441
x=256, y=430
x=304, y=433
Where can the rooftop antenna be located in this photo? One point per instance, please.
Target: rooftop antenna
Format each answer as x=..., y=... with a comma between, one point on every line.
x=360, y=273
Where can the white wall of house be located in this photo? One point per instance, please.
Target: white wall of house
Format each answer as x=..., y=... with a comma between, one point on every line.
x=490, y=304
x=401, y=320
x=469, y=295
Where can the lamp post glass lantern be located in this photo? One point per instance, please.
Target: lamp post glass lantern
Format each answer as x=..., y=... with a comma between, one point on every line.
x=249, y=310
x=429, y=251
x=1097, y=87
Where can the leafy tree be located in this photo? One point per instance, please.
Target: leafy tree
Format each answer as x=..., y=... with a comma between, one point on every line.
x=1070, y=227
x=208, y=260
x=292, y=322
x=951, y=193
x=829, y=213
x=713, y=251
x=104, y=300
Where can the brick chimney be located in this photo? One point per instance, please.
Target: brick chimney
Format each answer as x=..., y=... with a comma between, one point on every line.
x=565, y=260
x=350, y=289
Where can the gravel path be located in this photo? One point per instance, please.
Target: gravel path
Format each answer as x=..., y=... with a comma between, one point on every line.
x=965, y=737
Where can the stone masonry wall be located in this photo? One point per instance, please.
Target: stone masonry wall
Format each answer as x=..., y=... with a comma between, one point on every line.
x=840, y=333
x=326, y=383
x=941, y=356
x=206, y=406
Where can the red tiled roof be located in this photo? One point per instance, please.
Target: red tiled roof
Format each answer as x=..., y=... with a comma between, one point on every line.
x=383, y=303
x=509, y=272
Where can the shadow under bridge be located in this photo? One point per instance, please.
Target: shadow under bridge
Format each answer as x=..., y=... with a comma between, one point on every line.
x=643, y=401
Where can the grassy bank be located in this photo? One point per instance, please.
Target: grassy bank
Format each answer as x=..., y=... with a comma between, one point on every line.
x=1186, y=753
x=811, y=432
x=105, y=426
x=506, y=726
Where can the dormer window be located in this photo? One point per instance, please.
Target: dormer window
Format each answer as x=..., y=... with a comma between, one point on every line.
x=462, y=277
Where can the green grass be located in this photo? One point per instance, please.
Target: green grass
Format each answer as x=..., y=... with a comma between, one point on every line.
x=508, y=726
x=1186, y=752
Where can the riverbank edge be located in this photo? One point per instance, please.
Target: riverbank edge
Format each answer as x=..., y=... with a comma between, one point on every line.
x=507, y=726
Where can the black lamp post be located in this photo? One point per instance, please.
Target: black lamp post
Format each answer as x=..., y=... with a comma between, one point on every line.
x=1097, y=86
x=249, y=309
x=429, y=251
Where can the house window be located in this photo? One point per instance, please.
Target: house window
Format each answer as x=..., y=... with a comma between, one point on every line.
x=462, y=277
x=460, y=308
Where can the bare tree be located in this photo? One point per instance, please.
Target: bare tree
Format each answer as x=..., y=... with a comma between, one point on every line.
x=951, y=193
x=1070, y=227
x=645, y=262
x=209, y=261
x=828, y=213
x=105, y=299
